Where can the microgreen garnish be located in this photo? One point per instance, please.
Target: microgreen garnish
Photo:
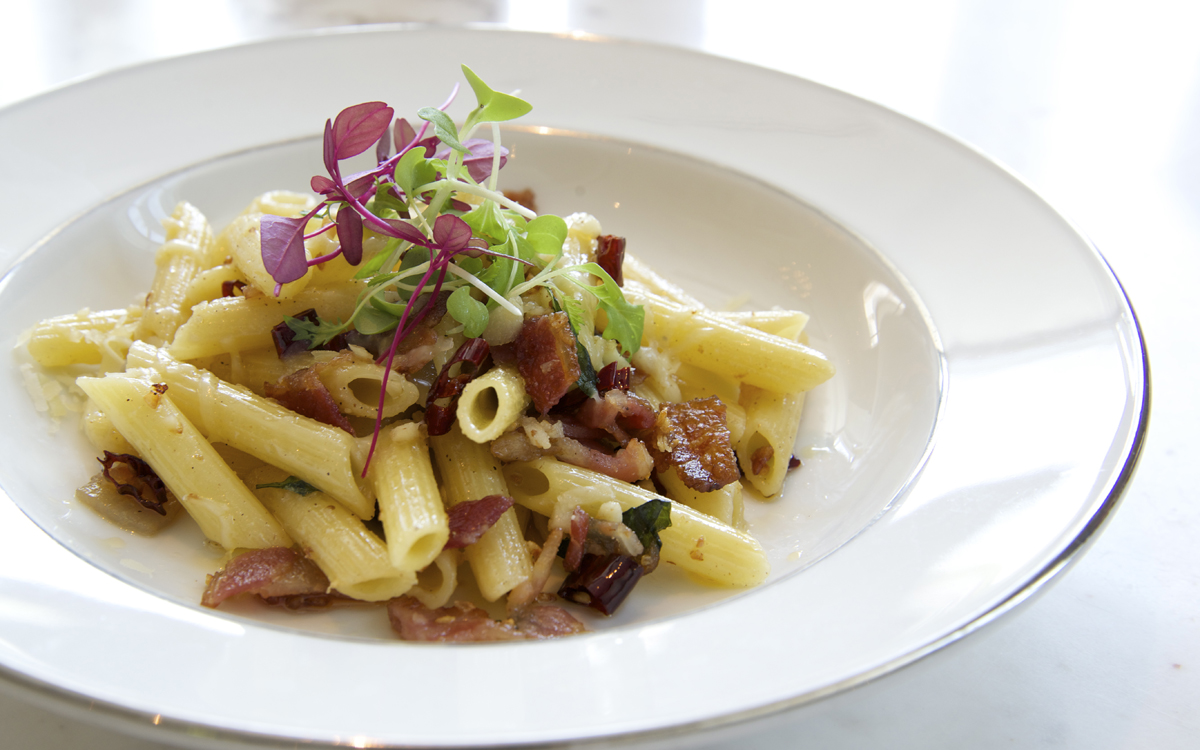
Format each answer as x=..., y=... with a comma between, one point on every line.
x=291, y=484
x=448, y=228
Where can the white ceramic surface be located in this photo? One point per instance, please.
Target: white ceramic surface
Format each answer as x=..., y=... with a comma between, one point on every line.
x=1037, y=387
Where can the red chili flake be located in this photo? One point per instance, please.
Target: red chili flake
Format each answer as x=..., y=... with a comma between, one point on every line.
x=470, y=359
x=610, y=255
x=612, y=377
x=136, y=479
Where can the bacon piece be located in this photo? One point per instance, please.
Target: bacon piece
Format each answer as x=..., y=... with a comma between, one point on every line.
x=580, y=521
x=547, y=358
x=617, y=412
x=471, y=519
x=525, y=197
x=610, y=255
x=303, y=392
x=277, y=573
x=694, y=438
x=463, y=622
x=760, y=461
x=631, y=463
x=134, y=478
x=230, y=287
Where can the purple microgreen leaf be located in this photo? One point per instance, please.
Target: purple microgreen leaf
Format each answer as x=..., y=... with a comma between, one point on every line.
x=283, y=247
x=361, y=186
x=406, y=231
x=480, y=153
x=357, y=128
x=328, y=152
x=451, y=233
x=322, y=185
x=404, y=134
x=383, y=149
x=350, y=234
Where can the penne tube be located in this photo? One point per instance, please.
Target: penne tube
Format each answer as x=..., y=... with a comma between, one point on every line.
x=499, y=559
x=744, y=354
x=355, y=385
x=209, y=284
x=491, y=403
x=410, y=506
x=695, y=542
x=786, y=323
x=188, y=250
x=772, y=421
x=224, y=509
x=437, y=582
x=80, y=339
x=234, y=324
x=322, y=455
x=639, y=276
x=355, y=560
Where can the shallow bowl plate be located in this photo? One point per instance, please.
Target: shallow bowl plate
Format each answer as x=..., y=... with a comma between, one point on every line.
x=989, y=406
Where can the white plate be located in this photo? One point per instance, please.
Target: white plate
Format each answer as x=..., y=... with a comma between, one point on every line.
x=991, y=398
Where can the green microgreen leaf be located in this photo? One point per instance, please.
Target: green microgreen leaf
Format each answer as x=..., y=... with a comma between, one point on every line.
x=469, y=311
x=315, y=334
x=443, y=127
x=371, y=320
x=291, y=484
x=414, y=170
x=625, y=321
x=493, y=105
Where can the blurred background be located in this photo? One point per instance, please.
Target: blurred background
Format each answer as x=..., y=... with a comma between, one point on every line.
x=1096, y=105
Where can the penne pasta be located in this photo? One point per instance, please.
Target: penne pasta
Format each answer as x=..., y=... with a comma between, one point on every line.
x=224, y=509
x=355, y=560
x=321, y=455
x=410, y=506
x=469, y=471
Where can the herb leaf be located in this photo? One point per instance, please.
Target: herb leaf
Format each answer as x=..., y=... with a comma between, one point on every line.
x=469, y=311
x=647, y=519
x=625, y=320
x=493, y=105
x=291, y=484
x=443, y=127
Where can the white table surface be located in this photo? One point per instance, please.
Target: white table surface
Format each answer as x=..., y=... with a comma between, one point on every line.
x=1095, y=104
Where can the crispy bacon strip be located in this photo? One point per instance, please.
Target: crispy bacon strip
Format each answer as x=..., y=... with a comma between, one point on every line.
x=463, y=622
x=303, y=392
x=277, y=574
x=694, y=438
x=547, y=358
x=471, y=519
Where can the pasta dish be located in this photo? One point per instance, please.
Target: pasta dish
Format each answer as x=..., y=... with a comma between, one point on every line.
x=414, y=390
